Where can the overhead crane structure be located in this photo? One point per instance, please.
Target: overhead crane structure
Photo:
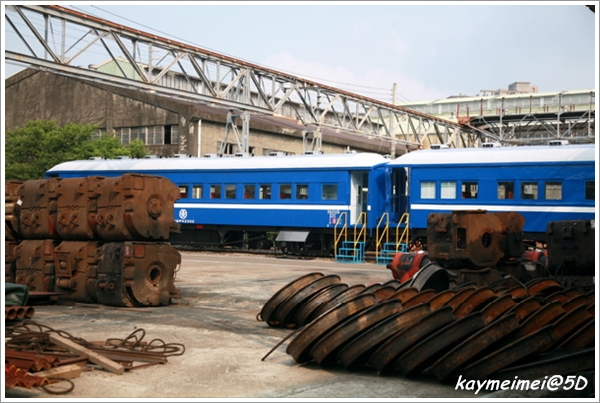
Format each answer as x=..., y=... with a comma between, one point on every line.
x=64, y=41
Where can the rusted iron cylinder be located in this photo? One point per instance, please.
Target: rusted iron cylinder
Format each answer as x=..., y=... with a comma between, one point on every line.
x=12, y=208
x=135, y=207
x=136, y=274
x=571, y=247
x=37, y=215
x=473, y=239
x=76, y=208
x=76, y=269
x=35, y=264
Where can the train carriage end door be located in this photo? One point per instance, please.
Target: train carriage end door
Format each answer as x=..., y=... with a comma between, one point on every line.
x=359, y=189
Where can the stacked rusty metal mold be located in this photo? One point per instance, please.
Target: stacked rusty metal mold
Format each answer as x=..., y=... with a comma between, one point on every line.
x=497, y=331
x=93, y=239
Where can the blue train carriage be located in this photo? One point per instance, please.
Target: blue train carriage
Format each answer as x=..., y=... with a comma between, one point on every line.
x=543, y=183
x=253, y=201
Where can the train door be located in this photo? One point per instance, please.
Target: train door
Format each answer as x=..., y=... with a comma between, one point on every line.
x=399, y=193
x=359, y=189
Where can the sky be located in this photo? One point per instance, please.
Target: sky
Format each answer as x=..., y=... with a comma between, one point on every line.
x=430, y=50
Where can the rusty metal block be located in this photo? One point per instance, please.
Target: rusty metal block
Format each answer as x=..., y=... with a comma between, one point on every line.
x=571, y=247
x=76, y=208
x=12, y=209
x=75, y=264
x=37, y=218
x=35, y=264
x=10, y=261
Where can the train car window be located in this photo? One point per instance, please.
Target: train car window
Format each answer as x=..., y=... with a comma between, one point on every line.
x=230, y=191
x=183, y=191
x=427, y=190
x=330, y=192
x=249, y=191
x=469, y=190
x=506, y=190
x=197, y=192
x=285, y=191
x=302, y=192
x=590, y=190
x=215, y=191
x=448, y=190
x=529, y=190
x=553, y=190
x=264, y=192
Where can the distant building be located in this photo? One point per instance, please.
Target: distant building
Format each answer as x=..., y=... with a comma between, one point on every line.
x=518, y=87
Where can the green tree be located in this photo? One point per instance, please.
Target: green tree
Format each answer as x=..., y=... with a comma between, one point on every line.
x=137, y=149
x=39, y=145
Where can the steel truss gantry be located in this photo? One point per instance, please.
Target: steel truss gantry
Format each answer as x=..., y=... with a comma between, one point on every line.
x=63, y=41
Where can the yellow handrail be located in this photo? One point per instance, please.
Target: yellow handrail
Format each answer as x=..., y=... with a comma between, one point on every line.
x=362, y=219
x=385, y=233
x=402, y=238
x=343, y=231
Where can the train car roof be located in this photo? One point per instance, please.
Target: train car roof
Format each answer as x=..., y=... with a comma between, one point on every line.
x=316, y=161
x=498, y=155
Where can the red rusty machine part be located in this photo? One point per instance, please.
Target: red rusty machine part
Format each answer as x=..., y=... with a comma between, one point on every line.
x=93, y=239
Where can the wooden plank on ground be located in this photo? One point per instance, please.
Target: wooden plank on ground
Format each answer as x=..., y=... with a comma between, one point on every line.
x=94, y=357
x=64, y=371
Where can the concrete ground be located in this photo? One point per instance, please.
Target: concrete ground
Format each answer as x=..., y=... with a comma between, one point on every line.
x=215, y=319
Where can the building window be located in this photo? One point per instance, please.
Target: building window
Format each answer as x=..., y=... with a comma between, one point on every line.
x=265, y=192
x=590, y=190
x=230, y=191
x=302, y=192
x=138, y=133
x=285, y=191
x=529, y=190
x=469, y=190
x=155, y=135
x=506, y=190
x=124, y=135
x=448, y=190
x=427, y=190
x=553, y=191
x=330, y=192
x=215, y=191
x=197, y=192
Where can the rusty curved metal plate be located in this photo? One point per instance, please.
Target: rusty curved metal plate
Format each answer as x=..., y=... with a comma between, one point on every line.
x=460, y=296
x=384, y=356
x=570, y=322
x=303, y=315
x=342, y=297
x=430, y=349
x=284, y=314
x=404, y=294
x=422, y=297
x=525, y=308
x=372, y=287
x=544, y=286
x=566, y=363
x=497, y=308
x=271, y=305
x=518, y=291
x=591, y=296
x=592, y=309
x=574, y=302
x=357, y=352
x=558, y=296
x=300, y=346
x=324, y=352
x=394, y=283
x=440, y=299
x=384, y=292
x=482, y=296
x=509, y=354
x=431, y=276
x=540, y=318
x=571, y=292
x=584, y=337
x=468, y=349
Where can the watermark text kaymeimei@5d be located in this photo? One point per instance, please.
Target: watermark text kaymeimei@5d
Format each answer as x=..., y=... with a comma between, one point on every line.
x=552, y=383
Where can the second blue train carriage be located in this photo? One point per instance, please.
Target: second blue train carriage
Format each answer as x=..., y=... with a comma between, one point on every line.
x=543, y=183
x=235, y=201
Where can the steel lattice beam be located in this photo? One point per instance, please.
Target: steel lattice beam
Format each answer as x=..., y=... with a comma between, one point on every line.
x=64, y=41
